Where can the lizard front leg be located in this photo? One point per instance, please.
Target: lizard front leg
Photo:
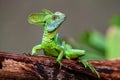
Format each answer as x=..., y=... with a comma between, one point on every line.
x=59, y=58
x=35, y=48
x=61, y=54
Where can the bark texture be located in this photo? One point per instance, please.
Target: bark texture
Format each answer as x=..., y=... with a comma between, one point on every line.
x=23, y=67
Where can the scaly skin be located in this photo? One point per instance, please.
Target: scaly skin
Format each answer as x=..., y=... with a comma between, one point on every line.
x=51, y=43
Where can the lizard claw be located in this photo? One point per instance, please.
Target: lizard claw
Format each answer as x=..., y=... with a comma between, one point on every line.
x=27, y=54
x=60, y=63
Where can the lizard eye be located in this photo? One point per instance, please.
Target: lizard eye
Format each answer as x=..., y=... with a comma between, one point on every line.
x=54, y=17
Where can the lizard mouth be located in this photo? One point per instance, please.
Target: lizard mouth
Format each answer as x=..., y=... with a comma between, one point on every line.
x=55, y=25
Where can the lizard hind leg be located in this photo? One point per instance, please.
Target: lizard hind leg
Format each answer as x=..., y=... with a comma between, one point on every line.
x=90, y=66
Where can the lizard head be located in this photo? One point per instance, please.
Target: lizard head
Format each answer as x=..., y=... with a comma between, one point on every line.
x=47, y=18
x=57, y=19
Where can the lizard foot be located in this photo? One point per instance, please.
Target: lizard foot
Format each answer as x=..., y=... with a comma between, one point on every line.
x=90, y=66
x=27, y=54
x=60, y=63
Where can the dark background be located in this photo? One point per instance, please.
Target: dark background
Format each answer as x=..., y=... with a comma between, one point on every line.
x=17, y=36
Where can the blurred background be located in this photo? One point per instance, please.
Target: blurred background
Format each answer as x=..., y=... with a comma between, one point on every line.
x=18, y=36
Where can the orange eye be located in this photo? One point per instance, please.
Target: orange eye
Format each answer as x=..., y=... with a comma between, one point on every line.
x=54, y=17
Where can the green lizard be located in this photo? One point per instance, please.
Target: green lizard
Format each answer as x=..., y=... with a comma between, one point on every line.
x=51, y=43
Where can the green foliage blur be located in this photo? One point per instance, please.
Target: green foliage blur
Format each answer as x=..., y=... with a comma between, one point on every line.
x=99, y=46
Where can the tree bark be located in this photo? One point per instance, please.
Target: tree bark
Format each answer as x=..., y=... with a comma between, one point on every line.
x=23, y=67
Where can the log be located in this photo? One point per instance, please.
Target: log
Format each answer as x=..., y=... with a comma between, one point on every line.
x=24, y=67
